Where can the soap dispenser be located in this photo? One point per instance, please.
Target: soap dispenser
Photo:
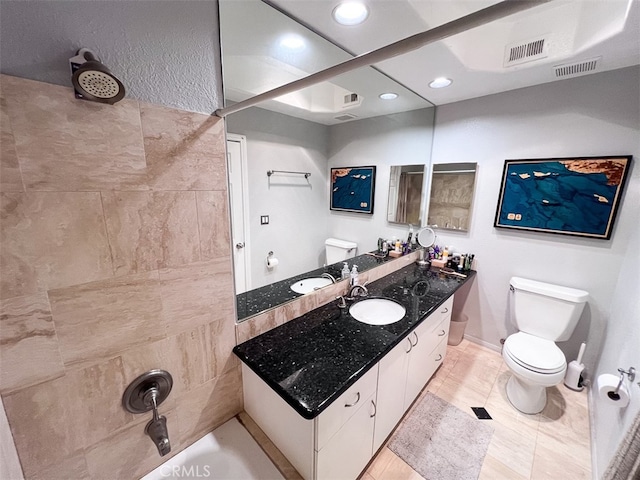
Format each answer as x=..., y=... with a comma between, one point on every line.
x=345, y=271
x=354, y=275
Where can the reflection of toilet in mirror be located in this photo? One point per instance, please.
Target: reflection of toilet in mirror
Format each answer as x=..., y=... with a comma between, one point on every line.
x=544, y=314
x=339, y=250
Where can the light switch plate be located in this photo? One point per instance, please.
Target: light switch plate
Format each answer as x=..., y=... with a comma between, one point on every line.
x=264, y=219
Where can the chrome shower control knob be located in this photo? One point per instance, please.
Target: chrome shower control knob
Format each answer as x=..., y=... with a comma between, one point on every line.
x=147, y=391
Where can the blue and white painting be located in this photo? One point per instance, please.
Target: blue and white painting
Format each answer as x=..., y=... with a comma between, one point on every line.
x=353, y=188
x=574, y=196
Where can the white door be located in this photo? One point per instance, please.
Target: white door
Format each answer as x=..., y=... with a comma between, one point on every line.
x=237, y=165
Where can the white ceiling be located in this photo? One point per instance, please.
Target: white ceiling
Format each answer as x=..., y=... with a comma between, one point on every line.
x=255, y=61
x=575, y=30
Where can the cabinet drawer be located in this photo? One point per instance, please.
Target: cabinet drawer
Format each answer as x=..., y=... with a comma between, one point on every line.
x=443, y=311
x=436, y=357
x=347, y=404
x=427, y=336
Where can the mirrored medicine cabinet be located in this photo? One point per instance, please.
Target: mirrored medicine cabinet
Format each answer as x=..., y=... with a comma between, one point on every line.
x=451, y=195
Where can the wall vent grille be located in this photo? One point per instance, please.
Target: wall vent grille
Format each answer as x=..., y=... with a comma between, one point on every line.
x=350, y=100
x=577, y=68
x=522, y=52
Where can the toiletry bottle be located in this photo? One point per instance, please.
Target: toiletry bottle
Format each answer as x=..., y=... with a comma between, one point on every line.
x=345, y=271
x=410, y=238
x=398, y=246
x=445, y=254
x=354, y=275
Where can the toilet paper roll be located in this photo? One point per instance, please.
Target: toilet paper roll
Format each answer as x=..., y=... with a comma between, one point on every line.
x=272, y=262
x=607, y=384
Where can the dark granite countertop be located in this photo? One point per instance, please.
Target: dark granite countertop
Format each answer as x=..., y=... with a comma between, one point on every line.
x=311, y=360
x=260, y=299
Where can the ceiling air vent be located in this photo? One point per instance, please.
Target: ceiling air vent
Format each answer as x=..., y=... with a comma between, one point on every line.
x=522, y=52
x=576, y=68
x=345, y=116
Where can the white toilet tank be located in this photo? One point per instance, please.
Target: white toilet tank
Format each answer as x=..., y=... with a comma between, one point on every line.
x=546, y=310
x=339, y=250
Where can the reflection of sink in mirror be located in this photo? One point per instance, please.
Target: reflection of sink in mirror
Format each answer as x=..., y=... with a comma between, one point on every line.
x=308, y=285
x=377, y=311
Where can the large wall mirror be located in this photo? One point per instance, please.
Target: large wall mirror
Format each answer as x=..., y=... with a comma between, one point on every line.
x=451, y=197
x=300, y=137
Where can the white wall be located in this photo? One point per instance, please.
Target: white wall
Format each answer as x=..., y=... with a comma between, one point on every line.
x=399, y=139
x=297, y=207
x=166, y=53
x=620, y=349
x=588, y=116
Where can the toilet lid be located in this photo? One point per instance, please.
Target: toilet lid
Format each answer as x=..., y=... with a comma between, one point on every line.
x=535, y=353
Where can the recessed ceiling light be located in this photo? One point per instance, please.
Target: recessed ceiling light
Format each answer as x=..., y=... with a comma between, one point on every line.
x=350, y=13
x=292, y=42
x=388, y=96
x=441, y=82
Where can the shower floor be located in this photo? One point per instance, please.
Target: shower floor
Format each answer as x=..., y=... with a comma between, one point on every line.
x=227, y=453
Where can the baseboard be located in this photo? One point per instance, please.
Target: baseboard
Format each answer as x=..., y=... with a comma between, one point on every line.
x=490, y=346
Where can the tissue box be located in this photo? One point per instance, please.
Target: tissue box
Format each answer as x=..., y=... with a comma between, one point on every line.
x=438, y=262
x=395, y=254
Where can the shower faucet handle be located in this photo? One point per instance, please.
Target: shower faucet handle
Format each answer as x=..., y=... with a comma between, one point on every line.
x=145, y=394
x=157, y=430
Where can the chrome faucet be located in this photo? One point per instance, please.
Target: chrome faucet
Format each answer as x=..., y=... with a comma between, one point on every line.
x=353, y=291
x=157, y=427
x=157, y=430
x=329, y=276
x=146, y=393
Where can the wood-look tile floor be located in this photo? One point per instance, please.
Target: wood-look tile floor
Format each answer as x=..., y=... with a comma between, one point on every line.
x=554, y=444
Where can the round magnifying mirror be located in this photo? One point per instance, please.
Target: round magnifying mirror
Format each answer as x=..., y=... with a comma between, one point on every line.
x=426, y=238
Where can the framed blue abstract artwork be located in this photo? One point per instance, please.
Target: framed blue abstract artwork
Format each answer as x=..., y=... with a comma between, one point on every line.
x=353, y=189
x=569, y=196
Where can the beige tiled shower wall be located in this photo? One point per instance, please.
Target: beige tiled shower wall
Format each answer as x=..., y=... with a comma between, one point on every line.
x=115, y=259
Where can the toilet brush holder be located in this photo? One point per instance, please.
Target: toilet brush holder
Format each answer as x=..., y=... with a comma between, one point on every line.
x=573, y=378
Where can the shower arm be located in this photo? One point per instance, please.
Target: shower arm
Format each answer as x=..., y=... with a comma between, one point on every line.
x=475, y=19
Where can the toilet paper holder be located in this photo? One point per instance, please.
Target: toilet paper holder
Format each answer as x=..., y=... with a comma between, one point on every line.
x=631, y=375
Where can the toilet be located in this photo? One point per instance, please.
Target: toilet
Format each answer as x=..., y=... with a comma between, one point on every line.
x=339, y=250
x=544, y=314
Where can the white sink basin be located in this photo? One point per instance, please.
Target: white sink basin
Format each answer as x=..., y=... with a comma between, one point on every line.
x=310, y=284
x=377, y=311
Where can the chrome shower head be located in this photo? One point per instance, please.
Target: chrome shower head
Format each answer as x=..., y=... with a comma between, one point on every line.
x=94, y=81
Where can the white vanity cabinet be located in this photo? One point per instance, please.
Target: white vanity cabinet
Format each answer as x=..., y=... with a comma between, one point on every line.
x=405, y=370
x=423, y=361
x=336, y=444
x=341, y=440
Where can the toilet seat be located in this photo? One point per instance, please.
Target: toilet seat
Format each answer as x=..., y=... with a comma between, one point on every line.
x=535, y=354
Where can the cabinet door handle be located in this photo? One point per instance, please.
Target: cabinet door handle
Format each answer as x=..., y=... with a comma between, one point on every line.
x=445, y=310
x=439, y=358
x=410, y=345
x=352, y=404
x=416, y=335
x=375, y=410
x=441, y=334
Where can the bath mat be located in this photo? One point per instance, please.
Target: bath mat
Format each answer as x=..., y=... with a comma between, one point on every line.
x=441, y=442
